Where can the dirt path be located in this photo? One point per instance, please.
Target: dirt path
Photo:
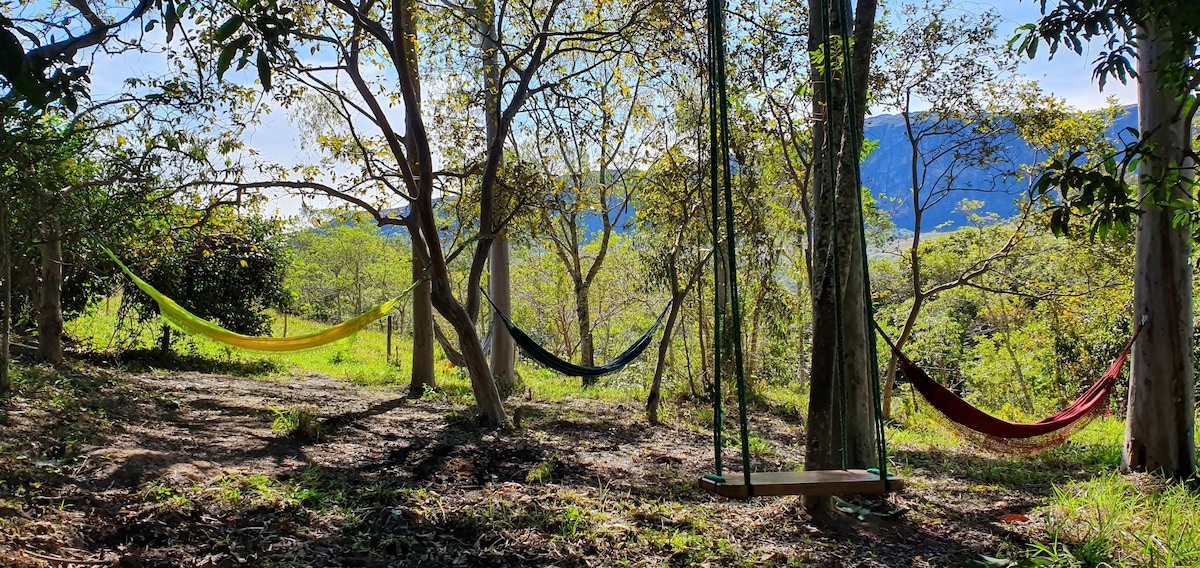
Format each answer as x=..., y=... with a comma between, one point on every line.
x=182, y=469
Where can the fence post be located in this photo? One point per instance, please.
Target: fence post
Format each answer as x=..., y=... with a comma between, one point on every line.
x=389, y=338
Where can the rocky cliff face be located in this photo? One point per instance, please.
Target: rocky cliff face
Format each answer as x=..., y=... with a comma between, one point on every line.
x=887, y=171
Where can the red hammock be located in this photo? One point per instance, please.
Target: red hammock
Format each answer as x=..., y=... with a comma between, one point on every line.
x=995, y=433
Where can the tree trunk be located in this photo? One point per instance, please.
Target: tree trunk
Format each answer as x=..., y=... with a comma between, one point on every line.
x=422, y=378
x=50, y=318
x=583, y=317
x=487, y=396
x=914, y=265
x=840, y=402
x=664, y=344
x=422, y=226
x=6, y=323
x=164, y=341
x=504, y=349
x=1160, y=426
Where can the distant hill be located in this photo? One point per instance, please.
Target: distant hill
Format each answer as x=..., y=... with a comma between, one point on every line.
x=887, y=171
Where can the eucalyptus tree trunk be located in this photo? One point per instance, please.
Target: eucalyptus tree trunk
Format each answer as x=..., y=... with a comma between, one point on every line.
x=50, y=317
x=840, y=402
x=587, y=340
x=1160, y=426
x=504, y=349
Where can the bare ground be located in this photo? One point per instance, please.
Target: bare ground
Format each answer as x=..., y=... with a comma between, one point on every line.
x=182, y=469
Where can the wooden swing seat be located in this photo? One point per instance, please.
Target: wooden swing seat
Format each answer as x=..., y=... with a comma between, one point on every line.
x=815, y=483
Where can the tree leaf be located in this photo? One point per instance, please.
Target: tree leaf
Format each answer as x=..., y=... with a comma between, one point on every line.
x=230, y=26
x=225, y=59
x=264, y=70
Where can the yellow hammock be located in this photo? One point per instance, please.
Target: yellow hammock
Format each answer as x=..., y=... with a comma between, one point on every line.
x=191, y=323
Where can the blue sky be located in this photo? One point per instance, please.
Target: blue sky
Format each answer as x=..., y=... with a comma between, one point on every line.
x=1067, y=76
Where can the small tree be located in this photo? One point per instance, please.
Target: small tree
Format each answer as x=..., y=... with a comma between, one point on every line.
x=229, y=270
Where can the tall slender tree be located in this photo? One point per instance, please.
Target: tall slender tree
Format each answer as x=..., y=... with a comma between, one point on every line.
x=1160, y=37
x=393, y=156
x=841, y=422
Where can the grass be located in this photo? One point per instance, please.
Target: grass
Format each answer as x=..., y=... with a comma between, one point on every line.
x=301, y=422
x=1092, y=516
x=361, y=360
x=1125, y=521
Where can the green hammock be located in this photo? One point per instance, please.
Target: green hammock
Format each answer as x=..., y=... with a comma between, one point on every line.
x=188, y=322
x=539, y=354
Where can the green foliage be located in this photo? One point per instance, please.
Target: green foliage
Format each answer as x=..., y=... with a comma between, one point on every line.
x=1125, y=521
x=621, y=307
x=301, y=422
x=1099, y=188
x=230, y=273
x=62, y=180
x=1032, y=332
x=543, y=471
x=337, y=270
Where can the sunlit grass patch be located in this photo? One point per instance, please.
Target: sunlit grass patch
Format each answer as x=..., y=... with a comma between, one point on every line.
x=361, y=359
x=788, y=401
x=302, y=422
x=545, y=384
x=1126, y=521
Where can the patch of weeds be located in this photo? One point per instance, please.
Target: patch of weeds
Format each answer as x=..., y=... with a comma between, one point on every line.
x=758, y=446
x=194, y=359
x=168, y=497
x=302, y=422
x=452, y=388
x=1120, y=520
x=685, y=547
x=228, y=492
x=72, y=404
x=543, y=471
x=314, y=488
x=371, y=377
x=570, y=521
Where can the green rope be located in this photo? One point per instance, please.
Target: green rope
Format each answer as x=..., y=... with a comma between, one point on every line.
x=715, y=226
x=719, y=147
x=831, y=178
x=731, y=251
x=868, y=302
x=720, y=180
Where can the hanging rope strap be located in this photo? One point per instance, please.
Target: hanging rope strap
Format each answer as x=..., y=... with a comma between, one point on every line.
x=724, y=262
x=856, y=136
x=853, y=145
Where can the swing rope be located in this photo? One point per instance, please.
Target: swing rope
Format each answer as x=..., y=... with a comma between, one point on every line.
x=725, y=283
x=856, y=137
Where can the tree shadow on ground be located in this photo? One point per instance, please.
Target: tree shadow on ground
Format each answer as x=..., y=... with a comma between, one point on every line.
x=141, y=360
